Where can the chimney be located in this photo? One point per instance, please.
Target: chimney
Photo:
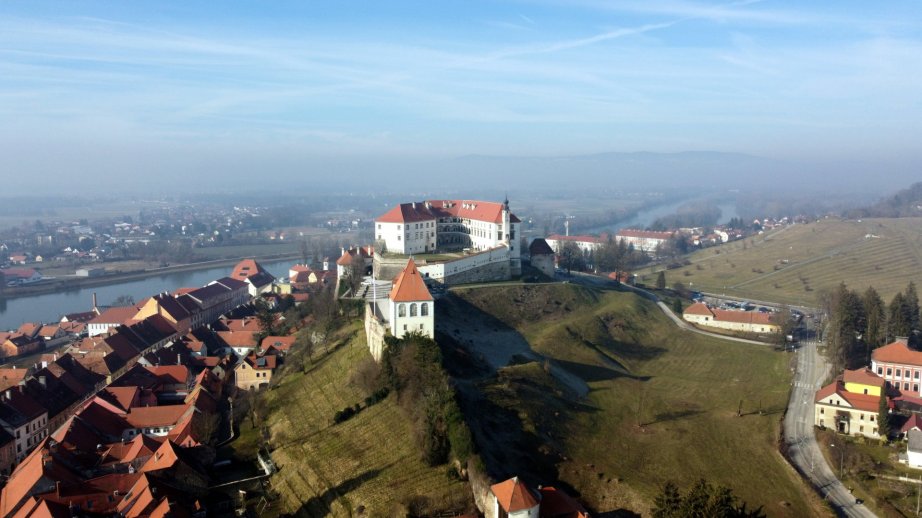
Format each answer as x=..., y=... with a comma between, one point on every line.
x=8, y=394
x=43, y=381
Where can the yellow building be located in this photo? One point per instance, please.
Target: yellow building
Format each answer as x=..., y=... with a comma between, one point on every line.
x=254, y=371
x=850, y=403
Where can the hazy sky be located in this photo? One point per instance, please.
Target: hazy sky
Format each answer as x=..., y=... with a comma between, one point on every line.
x=151, y=91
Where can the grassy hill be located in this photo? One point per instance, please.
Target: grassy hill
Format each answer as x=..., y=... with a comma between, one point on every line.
x=368, y=461
x=661, y=403
x=795, y=264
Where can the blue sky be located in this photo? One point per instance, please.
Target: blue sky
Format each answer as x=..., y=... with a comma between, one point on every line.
x=129, y=88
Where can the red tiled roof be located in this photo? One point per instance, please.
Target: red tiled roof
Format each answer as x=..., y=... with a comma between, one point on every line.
x=282, y=343
x=698, y=308
x=238, y=338
x=116, y=315
x=409, y=285
x=247, y=268
x=557, y=504
x=513, y=495
x=170, y=374
x=897, y=352
x=863, y=376
x=433, y=209
x=123, y=397
x=914, y=421
x=743, y=317
x=868, y=403
x=148, y=416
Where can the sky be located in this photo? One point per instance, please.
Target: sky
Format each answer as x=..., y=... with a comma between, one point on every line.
x=147, y=94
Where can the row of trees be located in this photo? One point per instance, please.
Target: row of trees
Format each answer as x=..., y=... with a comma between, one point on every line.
x=702, y=499
x=412, y=367
x=858, y=323
x=613, y=256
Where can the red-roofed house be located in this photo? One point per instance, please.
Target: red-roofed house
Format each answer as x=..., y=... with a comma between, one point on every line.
x=450, y=225
x=900, y=366
x=643, y=240
x=745, y=321
x=112, y=317
x=411, y=304
x=850, y=404
x=514, y=499
x=254, y=371
x=258, y=279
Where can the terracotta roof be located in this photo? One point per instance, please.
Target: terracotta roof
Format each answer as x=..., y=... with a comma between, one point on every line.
x=513, y=495
x=914, y=421
x=409, y=285
x=148, y=416
x=432, y=209
x=30, y=328
x=540, y=247
x=868, y=403
x=863, y=376
x=557, y=504
x=11, y=377
x=698, y=308
x=743, y=317
x=84, y=316
x=170, y=374
x=247, y=268
x=123, y=397
x=238, y=338
x=282, y=343
x=116, y=315
x=897, y=352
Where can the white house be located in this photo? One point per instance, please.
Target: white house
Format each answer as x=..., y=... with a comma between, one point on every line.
x=449, y=225
x=514, y=499
x=914, y=448
x=411, y=307
x=900, y=366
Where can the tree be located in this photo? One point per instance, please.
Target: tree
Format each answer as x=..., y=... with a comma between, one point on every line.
x=661, y=280
x=897, y=323
x=305, y=252
x=883, y=415
x=266, y=319
x=571, y=257
x=786, y=324
x=875, y=320
x=703, y=499
x=667, y=503
x=123, y=300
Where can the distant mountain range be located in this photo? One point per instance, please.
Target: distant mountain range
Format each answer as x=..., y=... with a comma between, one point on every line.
x=707, y=169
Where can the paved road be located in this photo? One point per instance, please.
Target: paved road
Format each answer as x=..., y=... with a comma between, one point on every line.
x=798, y=431
x=803, y=450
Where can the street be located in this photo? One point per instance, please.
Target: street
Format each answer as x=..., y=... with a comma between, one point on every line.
x=803, y=450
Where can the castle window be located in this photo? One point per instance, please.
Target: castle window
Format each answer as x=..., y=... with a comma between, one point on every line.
x=413, y=309
x=424, y=309
x=402, y=310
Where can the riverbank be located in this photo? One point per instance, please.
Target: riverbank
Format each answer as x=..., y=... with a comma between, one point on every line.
x=76, y=283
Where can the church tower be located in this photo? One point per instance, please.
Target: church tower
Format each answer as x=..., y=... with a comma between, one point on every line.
x=411, y=306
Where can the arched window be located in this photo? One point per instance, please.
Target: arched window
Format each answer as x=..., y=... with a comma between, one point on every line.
x=413, y=309
x=424, y=309
x=402, y=310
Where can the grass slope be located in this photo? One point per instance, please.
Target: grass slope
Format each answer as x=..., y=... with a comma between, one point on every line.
x=884, y=253
x=369, y=460
x=662, y=403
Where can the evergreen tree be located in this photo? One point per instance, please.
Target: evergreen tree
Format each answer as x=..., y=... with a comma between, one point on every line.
x=875, y=319
x=661, y=280
x=883, y=415
x=897, y=324
x=668, y=503
x=911, y=306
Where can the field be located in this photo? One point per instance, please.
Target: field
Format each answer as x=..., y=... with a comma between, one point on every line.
x=661, y=403
x=795, y=264
x=368, y=461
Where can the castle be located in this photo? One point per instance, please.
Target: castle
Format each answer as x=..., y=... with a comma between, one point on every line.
x=404, y=307
x=474, y=240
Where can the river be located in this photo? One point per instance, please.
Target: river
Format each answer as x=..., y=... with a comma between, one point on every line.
x=646, y=217
x=51, y=306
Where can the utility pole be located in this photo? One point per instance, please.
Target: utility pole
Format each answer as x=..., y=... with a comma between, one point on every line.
x=918, y=491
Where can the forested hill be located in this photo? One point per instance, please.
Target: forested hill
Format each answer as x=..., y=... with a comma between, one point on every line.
x=904, y=204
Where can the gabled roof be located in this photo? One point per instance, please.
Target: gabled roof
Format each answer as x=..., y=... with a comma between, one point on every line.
x=488, y=211
x=247, y=268
x=281, y=343
x=540, y=247
x=513, y=495
x=743, y=317
x=864, y=377
x=897, y=352
x=865, y=402
x=115, y=315
x=698, y=308
x=409, y=286
x=914, y=421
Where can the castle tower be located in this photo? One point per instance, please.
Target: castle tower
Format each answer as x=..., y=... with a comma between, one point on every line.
x=411, y=306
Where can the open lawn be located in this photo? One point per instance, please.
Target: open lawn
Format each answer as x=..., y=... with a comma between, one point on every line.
x=662, y=403
x=236, y=251
x=795, y=264
x=368, y=461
